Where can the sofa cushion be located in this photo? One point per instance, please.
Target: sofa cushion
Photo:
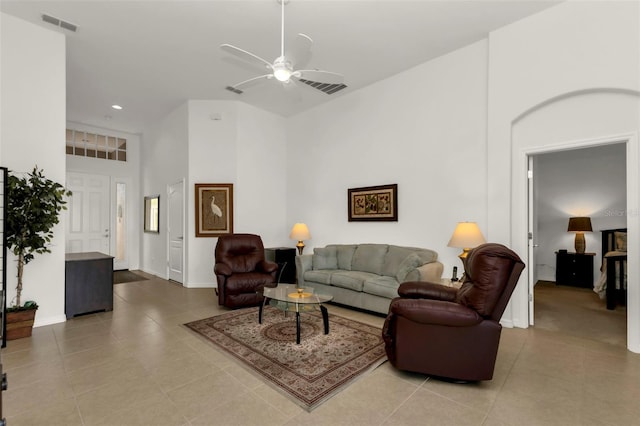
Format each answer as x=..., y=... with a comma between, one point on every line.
x=325, y=258
x=322, y=276
x=382, y=286
x=409, y=263
x=395, y=255
x=369, y=258
x=413, y=275
x=353, y=280
x=344, y=253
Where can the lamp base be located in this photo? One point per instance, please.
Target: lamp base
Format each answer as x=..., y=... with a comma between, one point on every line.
x=464, y=254
x=580, y=243
x=300, y=247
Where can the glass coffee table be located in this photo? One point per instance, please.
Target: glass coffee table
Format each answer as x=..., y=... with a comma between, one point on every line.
x=289, y=298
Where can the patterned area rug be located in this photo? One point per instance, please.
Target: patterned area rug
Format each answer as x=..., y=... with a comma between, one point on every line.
x=308, y=373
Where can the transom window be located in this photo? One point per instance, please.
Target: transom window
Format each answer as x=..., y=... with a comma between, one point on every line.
x=93, y=145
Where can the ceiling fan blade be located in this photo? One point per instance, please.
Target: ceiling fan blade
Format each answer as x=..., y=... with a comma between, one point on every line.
x=236, y=88
x=320, y=76
x=299, y=52
x=247, y=56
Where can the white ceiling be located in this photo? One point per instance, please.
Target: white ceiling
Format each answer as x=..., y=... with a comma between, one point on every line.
x=152, y=56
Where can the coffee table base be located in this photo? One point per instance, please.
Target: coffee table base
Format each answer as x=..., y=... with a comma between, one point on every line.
x=323, y=310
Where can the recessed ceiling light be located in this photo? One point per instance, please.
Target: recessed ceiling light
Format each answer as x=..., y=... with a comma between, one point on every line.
x=116, y=107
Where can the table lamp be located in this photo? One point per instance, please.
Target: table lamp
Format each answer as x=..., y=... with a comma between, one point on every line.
x=466, y=236
x=579, y=225
x=300, y=232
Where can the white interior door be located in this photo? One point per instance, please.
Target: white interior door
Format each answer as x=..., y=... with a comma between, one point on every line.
x=88, y=213
x=532, y=230
x=175, y=231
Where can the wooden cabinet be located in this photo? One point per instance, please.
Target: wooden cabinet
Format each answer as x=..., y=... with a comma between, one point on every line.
x=285, y=257
x=574, y=269
x=88, y=283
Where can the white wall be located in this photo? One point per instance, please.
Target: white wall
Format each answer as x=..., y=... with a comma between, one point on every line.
x=245, y=147
x=213, y=158
x=164, y=161
x=217, y=142
x=574, y=52
x=584, y=182
x=33, y=132
x=424, y=129
x=118, y=170
x=261, y=194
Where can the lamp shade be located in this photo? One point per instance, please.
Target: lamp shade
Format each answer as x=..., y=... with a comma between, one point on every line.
x=300, y=232
x=579, y=224
x=467, y=235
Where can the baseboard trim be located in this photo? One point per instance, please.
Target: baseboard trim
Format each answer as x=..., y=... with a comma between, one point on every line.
x=200, y=285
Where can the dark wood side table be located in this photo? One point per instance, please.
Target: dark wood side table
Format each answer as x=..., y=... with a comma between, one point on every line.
x=285, y=257
x=88, y=283
x=574, y=269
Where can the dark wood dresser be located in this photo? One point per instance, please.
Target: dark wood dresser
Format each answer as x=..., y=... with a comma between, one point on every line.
x=88, y=283
x=285, y=257
x=574, y=269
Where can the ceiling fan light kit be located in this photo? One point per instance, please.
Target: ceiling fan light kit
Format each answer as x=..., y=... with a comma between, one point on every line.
x=285, y=68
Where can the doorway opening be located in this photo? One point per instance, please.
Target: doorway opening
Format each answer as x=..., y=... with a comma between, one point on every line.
x=583, y=182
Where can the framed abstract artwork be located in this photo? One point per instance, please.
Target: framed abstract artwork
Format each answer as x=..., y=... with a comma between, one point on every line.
x=373, y=203
x=214, y=209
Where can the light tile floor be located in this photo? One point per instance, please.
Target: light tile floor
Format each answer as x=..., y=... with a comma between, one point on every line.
x=138, y=365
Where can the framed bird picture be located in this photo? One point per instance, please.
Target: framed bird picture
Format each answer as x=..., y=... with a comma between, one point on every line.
x=214, y=209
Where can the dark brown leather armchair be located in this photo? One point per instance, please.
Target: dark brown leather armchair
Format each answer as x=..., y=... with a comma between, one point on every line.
x=241, y=270
x=454, y=333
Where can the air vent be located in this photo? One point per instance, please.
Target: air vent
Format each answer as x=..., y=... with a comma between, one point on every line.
x=234, y=90
x=59, y=23
x=329, y=89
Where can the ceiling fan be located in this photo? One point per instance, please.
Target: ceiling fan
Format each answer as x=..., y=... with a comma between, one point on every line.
x=288, y=66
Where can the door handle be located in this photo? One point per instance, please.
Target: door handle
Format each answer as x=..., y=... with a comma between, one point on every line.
x=180, y=238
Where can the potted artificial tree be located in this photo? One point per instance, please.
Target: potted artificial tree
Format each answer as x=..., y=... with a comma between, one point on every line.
x=33, y=207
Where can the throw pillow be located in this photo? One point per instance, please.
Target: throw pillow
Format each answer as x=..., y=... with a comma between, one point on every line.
x=621, y=241
x=325, y=258
x=369, y=258
x=345, y=254
x=407, y=265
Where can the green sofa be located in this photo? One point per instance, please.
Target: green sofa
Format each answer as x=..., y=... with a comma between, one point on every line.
x=366, y=276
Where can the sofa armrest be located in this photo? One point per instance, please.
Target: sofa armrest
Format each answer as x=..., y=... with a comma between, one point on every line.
x=304, y=263
x=435, y=312
x=427, y=290
x=431, y=271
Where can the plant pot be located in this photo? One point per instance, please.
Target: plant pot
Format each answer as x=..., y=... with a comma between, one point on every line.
x=20, y=323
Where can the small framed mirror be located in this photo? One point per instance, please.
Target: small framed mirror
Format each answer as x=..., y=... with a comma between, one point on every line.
x=152, y=214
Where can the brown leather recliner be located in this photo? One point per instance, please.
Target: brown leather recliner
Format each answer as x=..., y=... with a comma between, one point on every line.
x=454, y=333
x=241, y=270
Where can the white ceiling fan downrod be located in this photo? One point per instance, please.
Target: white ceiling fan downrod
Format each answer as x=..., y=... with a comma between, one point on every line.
x=281, y=69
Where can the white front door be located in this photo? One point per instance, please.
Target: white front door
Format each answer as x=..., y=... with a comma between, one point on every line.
x=175, y=231
x=88, y=213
